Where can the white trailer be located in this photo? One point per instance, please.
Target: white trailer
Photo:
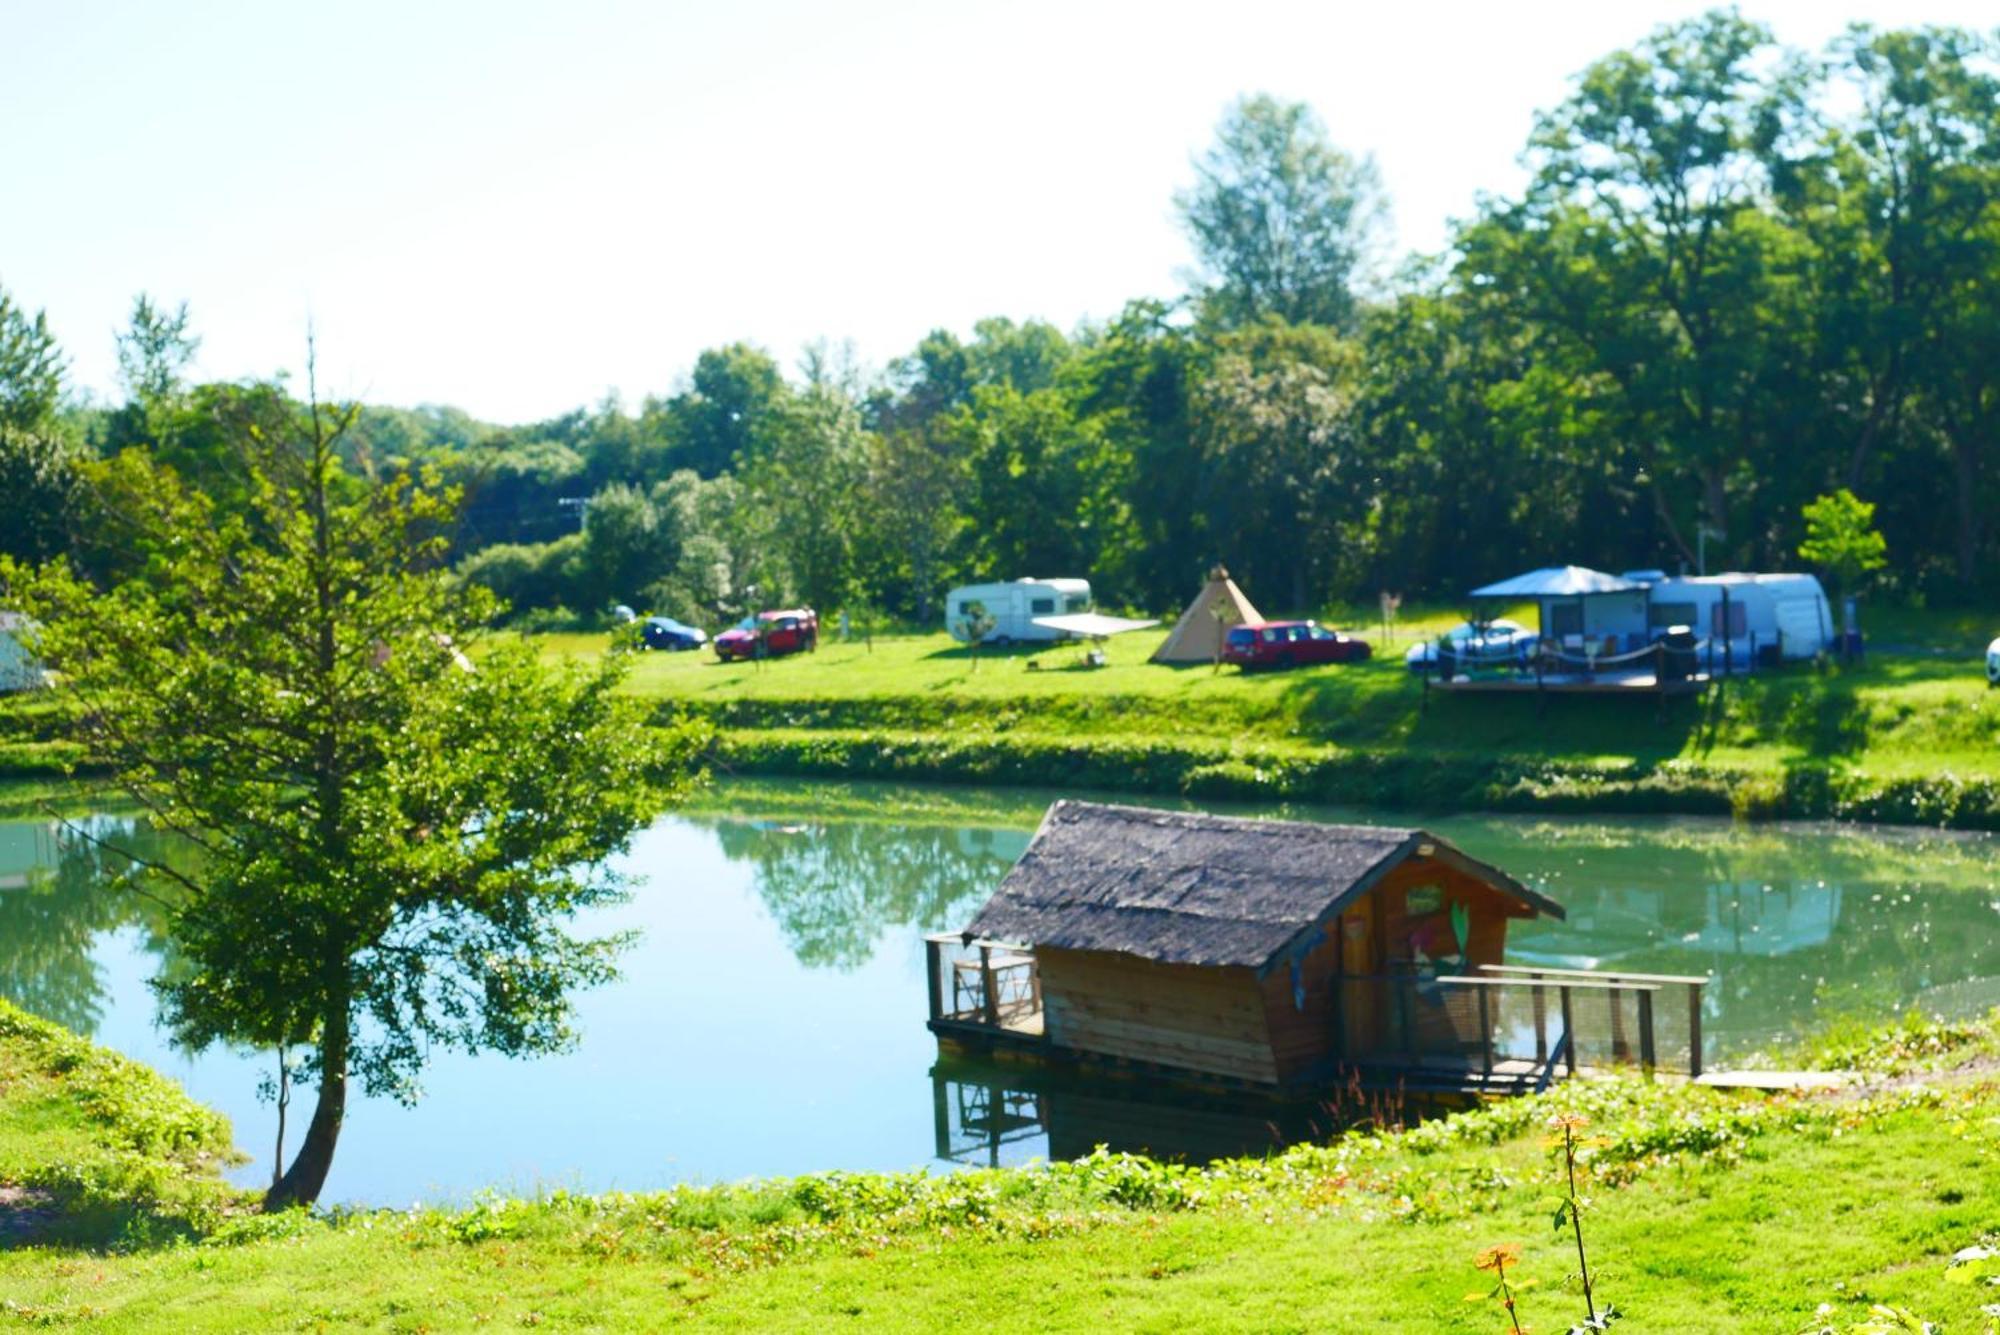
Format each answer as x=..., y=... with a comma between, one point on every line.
x=1750, y=612
x=1014, y=606
x=18, y=669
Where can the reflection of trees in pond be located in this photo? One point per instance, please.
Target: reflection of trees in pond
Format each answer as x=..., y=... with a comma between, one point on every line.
x=1797, y=927
x=71, y=893
x=834, y=890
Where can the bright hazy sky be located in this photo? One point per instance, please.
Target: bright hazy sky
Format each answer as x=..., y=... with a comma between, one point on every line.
x=517, y=207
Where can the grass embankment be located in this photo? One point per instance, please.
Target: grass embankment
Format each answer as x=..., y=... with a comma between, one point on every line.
x=1911, y=736
x=1707, y=1212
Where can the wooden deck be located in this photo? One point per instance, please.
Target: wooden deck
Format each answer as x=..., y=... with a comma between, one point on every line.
x=1507, y=1029
x=1574, y=683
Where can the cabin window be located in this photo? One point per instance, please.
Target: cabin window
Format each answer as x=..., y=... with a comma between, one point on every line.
x=1563, y=619
x=1041, y=607
x=1322, y=633
x=1077, y=602
x=1739, y=620
x=1273, y=634
x=1671, y=614
x=1240, y=636
x=1423, y=899
x=965, y=609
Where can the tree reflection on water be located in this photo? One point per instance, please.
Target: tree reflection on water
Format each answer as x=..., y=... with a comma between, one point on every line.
x=836, y=890
x=61, y=888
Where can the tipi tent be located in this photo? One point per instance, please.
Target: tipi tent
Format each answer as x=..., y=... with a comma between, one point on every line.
x=1197, y=636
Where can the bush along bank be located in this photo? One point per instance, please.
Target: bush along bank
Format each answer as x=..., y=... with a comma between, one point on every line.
x=1198, y=766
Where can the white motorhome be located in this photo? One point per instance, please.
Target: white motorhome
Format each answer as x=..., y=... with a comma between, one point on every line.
x=1014, y=606
x=18, y=669
x=1789, y=612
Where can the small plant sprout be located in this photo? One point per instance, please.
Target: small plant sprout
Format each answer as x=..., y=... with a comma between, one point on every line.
x=1569, y=1211
x=1499, y=1260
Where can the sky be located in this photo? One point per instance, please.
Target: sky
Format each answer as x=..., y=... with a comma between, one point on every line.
x=519, y=208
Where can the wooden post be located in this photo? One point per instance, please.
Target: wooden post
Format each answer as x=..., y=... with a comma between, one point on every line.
x=1647, y=1053
x=1541, y=1022
x=989, y=997
x=934, y=972
x=1621, y=1046
x=1569, y=1029
x=940, y=1117
x=1694, y=1030
x=1485, y=1033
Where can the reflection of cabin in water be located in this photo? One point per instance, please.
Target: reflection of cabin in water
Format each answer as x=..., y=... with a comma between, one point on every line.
x=1273, y=954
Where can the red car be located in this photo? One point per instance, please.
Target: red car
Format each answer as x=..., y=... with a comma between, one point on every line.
x=769, y=634
x=1283, y=644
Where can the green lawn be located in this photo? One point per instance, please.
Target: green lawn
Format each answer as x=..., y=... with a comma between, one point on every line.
x=1707, y=1212
x=1899, y=711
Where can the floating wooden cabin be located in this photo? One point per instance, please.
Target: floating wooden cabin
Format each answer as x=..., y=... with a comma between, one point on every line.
x=1271, y=953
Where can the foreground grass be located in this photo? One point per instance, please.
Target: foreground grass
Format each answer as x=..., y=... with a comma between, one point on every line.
x=1708, y=1212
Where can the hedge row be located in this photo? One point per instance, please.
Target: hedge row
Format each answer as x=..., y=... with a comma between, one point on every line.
x=1219, y=769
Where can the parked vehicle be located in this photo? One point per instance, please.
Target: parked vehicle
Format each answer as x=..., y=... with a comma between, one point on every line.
x=1993, y=663
x=770, y=635
x=1014, y=606
x=1497, y=639
x=667, y=633
x=1283, y=644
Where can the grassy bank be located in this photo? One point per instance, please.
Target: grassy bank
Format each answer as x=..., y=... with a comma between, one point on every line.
x=1911, y=736
x=1708, y=1212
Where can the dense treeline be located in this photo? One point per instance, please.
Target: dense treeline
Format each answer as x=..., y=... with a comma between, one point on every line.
x=1740, y=276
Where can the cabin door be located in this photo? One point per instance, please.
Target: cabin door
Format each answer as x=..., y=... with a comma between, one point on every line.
x=1362, y=1034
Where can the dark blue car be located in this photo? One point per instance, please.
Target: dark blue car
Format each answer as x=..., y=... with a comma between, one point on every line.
x=667, y=633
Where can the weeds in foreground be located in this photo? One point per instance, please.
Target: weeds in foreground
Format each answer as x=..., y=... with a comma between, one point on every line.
x=1497, y=1259
x=1569, y=1209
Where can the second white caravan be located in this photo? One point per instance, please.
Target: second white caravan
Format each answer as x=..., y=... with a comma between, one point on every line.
x=1014, y=606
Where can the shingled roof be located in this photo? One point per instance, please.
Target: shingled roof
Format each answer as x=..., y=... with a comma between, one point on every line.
x=1188, y=888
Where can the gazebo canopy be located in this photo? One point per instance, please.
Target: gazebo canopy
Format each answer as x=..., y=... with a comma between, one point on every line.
x=1557, y=582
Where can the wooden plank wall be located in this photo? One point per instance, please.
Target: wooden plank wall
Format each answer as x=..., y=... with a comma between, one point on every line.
x=1195, y=1018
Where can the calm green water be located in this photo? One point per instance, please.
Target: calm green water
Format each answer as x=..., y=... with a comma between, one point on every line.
x=770, y=1020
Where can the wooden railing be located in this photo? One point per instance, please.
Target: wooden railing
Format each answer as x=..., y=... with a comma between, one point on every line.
x=1514, y=1023
x=991, y=983
x=1618, y=981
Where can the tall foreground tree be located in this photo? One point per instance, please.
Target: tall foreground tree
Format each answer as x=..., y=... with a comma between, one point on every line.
x=1281, y=218
x=384, y=844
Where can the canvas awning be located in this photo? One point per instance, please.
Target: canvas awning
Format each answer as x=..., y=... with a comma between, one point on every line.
x=1557, y=582
x=1092, y=625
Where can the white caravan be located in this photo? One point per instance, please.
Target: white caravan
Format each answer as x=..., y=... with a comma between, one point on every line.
x=1014, y=607
x=18, y=669
x=1789, y=612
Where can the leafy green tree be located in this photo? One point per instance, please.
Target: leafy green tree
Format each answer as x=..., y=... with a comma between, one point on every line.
x=388, y=843
x=806, y=476
x=624, y=546
x=1273, y=423
x=1046, y=488
x=1280, y=218
x=1841, y=539
x=911, y=496
x=31, y=367
x=710, y=426
x=43, y=494
x=1645, y=264
x=155, y=352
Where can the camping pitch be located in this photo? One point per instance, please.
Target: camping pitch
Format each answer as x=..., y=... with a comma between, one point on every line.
x=1197, y=636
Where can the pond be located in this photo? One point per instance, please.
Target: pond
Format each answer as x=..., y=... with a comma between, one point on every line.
x=769, y=1019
